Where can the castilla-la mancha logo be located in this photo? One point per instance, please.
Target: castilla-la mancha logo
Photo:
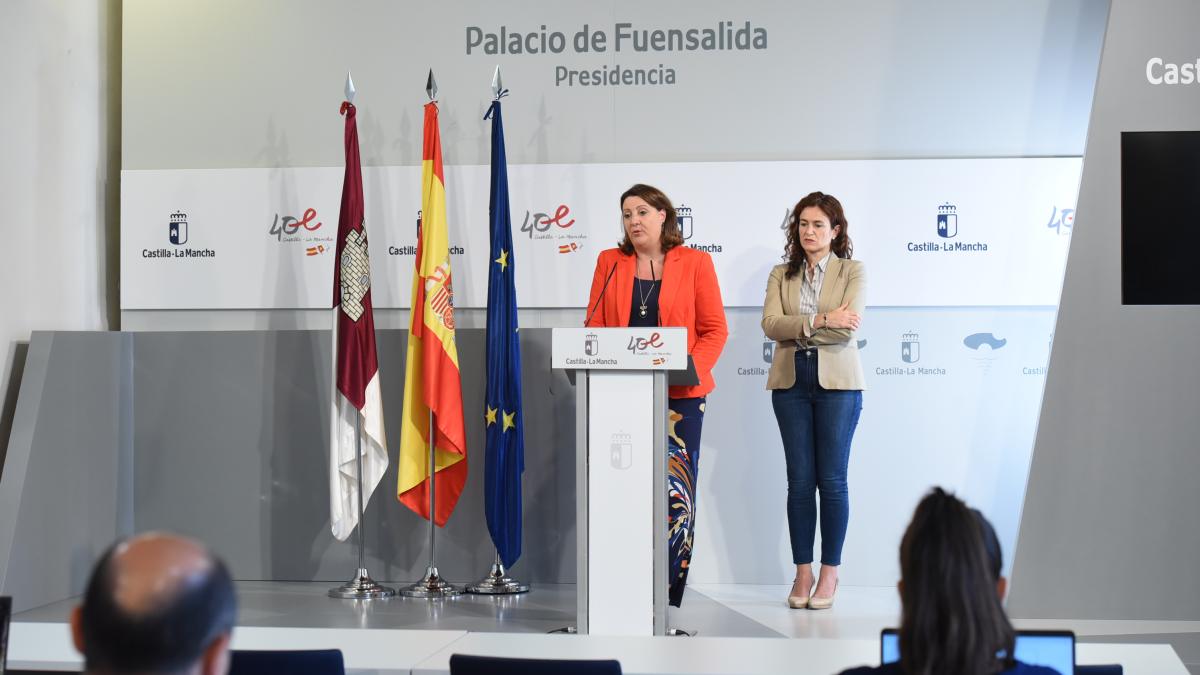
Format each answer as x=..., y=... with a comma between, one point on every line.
x=177, y=229
x=686, y=220
x=947, y=221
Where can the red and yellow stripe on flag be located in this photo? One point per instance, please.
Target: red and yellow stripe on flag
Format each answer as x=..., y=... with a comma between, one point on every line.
x=431, y=377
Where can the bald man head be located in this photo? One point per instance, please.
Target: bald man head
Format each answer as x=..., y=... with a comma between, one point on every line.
x=156, y=603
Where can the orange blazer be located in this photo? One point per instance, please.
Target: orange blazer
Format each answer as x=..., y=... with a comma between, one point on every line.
x=689, y=297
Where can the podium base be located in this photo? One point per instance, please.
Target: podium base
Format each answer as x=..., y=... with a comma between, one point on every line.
x=497, y=583
x=431, y=587
x=361, y=587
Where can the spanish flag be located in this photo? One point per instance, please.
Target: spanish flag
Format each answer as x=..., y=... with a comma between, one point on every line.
x=431, y=377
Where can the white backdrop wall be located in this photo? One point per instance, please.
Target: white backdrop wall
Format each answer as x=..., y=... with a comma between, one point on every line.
x=60, y=73
x=228, y=86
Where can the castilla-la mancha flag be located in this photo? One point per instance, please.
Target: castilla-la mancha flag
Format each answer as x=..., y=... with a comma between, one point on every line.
x=431, y=376
x=356, y=369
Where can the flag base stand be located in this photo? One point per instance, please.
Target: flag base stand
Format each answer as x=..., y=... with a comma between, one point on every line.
x=361, y=587
x=497, y=582
x=431, y=587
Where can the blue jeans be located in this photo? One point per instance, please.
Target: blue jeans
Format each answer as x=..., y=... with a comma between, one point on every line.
x=816, y=425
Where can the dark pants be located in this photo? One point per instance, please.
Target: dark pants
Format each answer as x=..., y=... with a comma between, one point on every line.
x=816, y=425
x=684, y=419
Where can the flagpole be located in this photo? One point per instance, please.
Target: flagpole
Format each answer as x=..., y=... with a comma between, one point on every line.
x=362, y=586
x=432, y=585
x=497, y=581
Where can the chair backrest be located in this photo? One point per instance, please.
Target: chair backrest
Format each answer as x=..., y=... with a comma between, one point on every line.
x=295, y=662
x=462, y=664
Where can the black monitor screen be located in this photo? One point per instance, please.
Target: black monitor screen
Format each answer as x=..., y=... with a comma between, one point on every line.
x=1160, y=217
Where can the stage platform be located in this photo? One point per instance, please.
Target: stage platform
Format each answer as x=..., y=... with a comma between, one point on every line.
x=739, y=629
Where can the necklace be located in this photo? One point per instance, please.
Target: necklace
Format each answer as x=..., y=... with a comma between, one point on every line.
x=644, y=298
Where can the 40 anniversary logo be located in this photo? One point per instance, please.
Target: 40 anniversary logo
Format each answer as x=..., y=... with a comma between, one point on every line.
x=287, y=229
x=555, y=228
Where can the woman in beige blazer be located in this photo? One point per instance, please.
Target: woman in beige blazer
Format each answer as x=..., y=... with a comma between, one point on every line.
x=813, y=306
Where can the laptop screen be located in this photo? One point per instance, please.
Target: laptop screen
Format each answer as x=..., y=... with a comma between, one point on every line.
x=1053, y=649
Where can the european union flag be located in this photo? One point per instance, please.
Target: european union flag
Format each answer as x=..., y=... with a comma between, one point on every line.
x=504, y=458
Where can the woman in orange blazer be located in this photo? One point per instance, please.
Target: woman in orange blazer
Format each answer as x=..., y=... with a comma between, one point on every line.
x=651, y=279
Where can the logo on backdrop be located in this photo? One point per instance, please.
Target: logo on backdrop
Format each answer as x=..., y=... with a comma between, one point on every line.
x=177, y=231
x=766, y=353
x=910, y=348
x=1061, y=221
x=591, y=344
x=910, y=352
x=947, y=228
x=411, y=249
x=686, y=221
x=947, y=221
x=862, y=344
x=178, y=234
x=554, y=227
x=290, y=229
x=985, y=346
x=683, y=216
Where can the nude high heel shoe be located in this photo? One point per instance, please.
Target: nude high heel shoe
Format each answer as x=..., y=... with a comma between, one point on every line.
x=799, y=601
x=824, y=603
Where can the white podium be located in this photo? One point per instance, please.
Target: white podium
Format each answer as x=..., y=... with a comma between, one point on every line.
x=621, y=472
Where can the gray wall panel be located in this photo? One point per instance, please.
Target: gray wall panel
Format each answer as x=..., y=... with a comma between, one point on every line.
x=232, y=438
x=73, y=433
x=1109, y=527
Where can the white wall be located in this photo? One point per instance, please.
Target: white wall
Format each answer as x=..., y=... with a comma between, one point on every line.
x=56, y=130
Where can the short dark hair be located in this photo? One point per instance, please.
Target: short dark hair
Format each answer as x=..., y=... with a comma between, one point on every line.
x=168, y=638
x=951, y=618
x=671, y=234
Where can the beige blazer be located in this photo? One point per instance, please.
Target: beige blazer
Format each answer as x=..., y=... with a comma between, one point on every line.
x=838, y=366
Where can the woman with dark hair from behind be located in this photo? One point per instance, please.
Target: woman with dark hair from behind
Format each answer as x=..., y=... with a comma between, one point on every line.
x=952, y=620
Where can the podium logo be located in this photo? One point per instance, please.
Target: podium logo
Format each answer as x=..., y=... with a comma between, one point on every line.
x=910, y=347
x=620, y=451
x=177, y=230
x=947, y=221
x=591, y=344
x=1061, y=220
x=639, y=345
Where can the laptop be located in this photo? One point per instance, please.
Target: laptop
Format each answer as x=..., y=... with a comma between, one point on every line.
x=1051, y=648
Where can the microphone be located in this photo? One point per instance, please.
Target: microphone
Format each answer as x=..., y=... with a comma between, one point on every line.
x=601, y=296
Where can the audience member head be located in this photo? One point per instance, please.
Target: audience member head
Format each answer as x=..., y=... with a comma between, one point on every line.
x=952, y=619
x=156, y=603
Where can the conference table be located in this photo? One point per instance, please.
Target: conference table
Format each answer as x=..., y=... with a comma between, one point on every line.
x=47, y=647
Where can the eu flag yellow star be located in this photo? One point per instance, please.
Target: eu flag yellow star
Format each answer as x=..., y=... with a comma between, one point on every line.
x=490, y=415
x=503, y=259
x=509, y=422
